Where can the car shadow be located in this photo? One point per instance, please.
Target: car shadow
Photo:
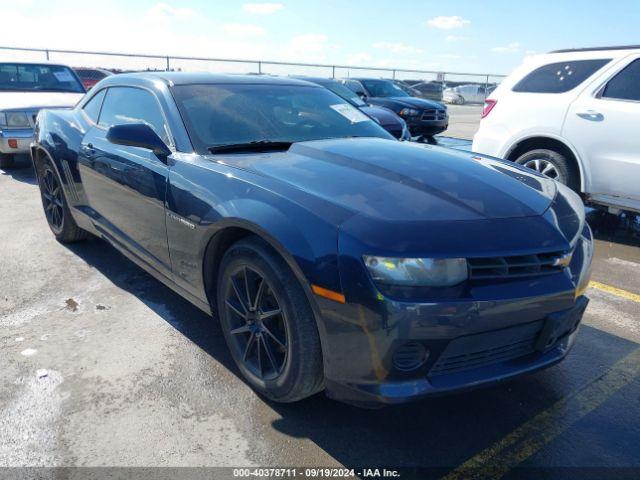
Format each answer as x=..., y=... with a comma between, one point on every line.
x=436, y=433
x=22, y=170
x=621, y=229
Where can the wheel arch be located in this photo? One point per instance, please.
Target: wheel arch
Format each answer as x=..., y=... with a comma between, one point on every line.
x=550, y=142
x=228, y=232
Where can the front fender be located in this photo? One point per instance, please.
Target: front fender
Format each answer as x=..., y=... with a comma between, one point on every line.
x=195, y=215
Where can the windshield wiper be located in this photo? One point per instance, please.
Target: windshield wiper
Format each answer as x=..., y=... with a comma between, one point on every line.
x=256, y=145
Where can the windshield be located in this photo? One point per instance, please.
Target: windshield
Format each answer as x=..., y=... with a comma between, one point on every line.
x=344, y=92
x=227, y=114
x=35, y=77
x=383, y=88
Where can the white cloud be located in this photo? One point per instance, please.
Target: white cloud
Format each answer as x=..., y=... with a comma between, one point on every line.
x=243, y=30
x=262, y=8
x=302, y=46
x=512, y=47
x=456, y=38
x=396, y=47
x=164, y=12
x=359, y=58
x=448, y=23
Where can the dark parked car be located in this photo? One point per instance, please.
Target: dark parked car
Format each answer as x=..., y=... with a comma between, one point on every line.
x=428, y=90
x=333, y=256
x=391, y=122
x=424, y=118
x=91, y=76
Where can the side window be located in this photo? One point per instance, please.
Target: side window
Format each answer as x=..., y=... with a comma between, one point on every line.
x=626, y=84
x=132, y=105
x=92, y=109
x=559, y=77
x=355, y=86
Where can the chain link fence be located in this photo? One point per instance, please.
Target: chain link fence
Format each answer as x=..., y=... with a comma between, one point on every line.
x=465, y=91
x=435, y=85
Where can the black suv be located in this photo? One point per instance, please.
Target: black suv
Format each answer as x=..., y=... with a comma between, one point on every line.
x=424, y=118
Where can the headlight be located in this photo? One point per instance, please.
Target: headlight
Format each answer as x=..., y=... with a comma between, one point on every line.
x=14, y=120
x=409, y=112
x=418, y=272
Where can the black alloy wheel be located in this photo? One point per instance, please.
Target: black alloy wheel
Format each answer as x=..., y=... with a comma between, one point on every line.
x=268, y=322
x=52, y=199
x=257, y=322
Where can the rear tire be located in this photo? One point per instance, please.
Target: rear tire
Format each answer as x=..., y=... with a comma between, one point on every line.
x=552, y=164
x=278, y=355
x=7, y=160
x=56, y=208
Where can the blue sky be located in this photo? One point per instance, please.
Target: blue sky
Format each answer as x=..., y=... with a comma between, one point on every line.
x=465, y=36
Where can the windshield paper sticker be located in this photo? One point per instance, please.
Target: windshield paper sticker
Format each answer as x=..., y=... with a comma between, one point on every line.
x=350, y=113
x=63, y=76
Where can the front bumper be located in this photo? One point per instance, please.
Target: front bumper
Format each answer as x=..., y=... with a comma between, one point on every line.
x=466, y=362
x=500, y=331
x=419, y=127
x=23, y=138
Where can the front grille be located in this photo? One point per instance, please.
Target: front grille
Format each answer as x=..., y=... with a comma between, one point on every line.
x=475, y=351
x=516, y=266
x=433, y=114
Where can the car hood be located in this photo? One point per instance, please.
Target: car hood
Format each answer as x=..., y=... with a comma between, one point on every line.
x=383, y=115
x=412, y=102
x=397, y=181
x=36, y=100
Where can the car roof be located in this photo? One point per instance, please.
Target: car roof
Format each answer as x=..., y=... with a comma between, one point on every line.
x=41, y=62
x=318, y=80
x=598, y=49
x=184, y=78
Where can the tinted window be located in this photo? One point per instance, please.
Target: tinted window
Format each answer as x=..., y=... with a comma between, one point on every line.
x=383, y=88
x=132, y=105
x=222, y=114
x=35, y=77
x=626, y=84
x=344, y=92
x=355, y=86
x=559, y=77
x=92, y=109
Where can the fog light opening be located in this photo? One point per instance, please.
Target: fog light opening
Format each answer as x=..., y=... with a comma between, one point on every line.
x=410, y=356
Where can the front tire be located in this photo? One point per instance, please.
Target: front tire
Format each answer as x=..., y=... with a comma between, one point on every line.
x=268, y=323
x=552, y=164
x=56, y=208
x=7, y=160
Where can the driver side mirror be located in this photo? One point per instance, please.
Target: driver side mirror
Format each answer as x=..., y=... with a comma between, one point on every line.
x=138, y=135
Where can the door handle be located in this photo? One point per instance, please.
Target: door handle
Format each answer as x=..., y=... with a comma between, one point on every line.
x=590, y=115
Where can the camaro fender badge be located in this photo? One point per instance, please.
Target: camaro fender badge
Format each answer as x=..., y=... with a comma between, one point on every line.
x=182, y=220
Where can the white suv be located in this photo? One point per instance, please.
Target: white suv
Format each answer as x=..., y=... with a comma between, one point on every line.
x=573, y=115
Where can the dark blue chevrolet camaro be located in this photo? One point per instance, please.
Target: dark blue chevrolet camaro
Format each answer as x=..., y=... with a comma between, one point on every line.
x=334, y=257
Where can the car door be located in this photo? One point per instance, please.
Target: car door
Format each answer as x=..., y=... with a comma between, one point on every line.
x=602, y=124
x=126, y=186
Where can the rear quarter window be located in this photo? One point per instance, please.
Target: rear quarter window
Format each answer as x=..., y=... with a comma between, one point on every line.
x=559, y=77
x=626, y=84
